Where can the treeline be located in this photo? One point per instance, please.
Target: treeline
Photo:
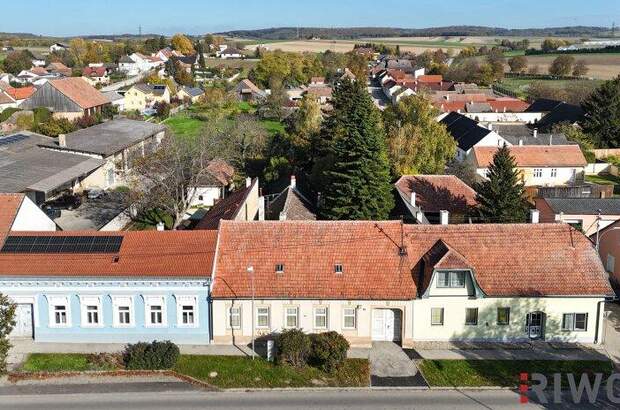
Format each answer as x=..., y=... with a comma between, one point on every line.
x=289, y=33
x=608, y=49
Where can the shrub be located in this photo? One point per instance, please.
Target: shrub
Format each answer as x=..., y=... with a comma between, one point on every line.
x=41, y=114
x=329, y=350
x=294, y=347
x=151, y=356
x=7, y=322
x=4, y=115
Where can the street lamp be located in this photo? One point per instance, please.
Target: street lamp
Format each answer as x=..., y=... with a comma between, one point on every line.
x=251, y=272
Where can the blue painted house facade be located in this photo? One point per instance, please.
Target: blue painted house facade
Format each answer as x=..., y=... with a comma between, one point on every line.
x=155, y=286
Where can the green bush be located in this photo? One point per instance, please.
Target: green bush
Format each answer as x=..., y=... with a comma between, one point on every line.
x=294, y=348
x=41, y=114
x=7, y=322
x=329, y=350
x=4, y=115
x=151, y=356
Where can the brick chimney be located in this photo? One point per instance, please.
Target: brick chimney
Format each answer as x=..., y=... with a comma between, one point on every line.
x=293, y=182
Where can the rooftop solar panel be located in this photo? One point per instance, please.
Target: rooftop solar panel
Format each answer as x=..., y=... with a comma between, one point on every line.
x=62, y=244
x=12, y=139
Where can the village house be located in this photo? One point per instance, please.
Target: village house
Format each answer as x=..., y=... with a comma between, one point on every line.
x=96, y=75
x=384, y=281
x=584, y=214
x=213, y=185
x=58, y=47
x=116, y=99
x=69, y=98
x=290, y=205
x=429, y=198
x=608, y=241
x=191, y=94
x=246, y=90
x=538, y=165
x=142, y=96
x=59, y=68
x=469, y=134
x=230, y=53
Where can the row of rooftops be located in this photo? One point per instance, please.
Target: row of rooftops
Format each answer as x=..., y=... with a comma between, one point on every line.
x=376, y=260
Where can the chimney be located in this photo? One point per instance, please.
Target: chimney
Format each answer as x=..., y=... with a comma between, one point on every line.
x=248, y=182
x=490, y=127
x=160, y=226
x=534, y=216
x=444, y=216
x=413, y=199
x=293, y=182
x=504, y=108
x=282, y=216
x=520, y=142
x=550, y=139
x=447, y=97
x=261, y=208
x=535, y=132
x=62, y=140
x=419, y=216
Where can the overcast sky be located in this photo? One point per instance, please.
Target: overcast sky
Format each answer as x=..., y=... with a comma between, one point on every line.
x=81, y=17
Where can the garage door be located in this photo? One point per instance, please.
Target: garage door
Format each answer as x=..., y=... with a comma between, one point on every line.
x=386, y=325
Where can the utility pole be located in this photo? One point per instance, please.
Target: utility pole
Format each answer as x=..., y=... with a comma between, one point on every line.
x=613, y=29
x=251, y=272
x=598, y=229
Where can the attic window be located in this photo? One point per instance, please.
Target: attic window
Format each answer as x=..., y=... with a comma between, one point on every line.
x=338, y=268
x=279, y=268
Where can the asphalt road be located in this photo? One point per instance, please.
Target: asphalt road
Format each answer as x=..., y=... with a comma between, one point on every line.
x=357, y=400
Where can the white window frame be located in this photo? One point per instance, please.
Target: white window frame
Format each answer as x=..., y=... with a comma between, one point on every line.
x=316, y=315
x=229, y=324
x=569, y=322
x=441, y=322
x=85, y=302
x=345, y=315
x=187, y=300
x=287, y=315
x=263, y=314
x=117, y=303
x=149, y=302
x=452, y=277
x=537, y=173
x=554, y=172
x=54, y=301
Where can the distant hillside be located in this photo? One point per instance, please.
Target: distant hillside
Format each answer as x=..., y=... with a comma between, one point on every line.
x=290, y=33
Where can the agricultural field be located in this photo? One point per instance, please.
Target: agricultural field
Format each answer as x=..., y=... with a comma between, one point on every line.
x=602, y=66
x=343, y=46
x=520, y=86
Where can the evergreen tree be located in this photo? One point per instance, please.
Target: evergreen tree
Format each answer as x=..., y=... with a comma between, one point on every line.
x=602, y=114
x=358, y=179
x=201, y=56
x=500, y=196
x=162, y=42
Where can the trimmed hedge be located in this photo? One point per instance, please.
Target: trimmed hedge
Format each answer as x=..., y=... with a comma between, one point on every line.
x=326, y=351
x=151, y=356
x=294, y=347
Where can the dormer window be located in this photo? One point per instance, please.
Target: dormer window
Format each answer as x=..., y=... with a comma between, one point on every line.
x=453, y=279
x=280, y=268
x=338, y=268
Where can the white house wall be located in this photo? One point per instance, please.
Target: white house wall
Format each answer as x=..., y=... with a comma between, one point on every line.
x=31, y=218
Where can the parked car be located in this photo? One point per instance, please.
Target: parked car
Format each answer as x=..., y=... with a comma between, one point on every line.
x=65, y=201
x=51, y=212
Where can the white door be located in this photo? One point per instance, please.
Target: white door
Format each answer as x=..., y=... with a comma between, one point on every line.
x=23, y=321
x=386, y=325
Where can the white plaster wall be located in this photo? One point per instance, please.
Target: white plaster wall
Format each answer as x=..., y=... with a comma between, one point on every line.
x=528, y=117
x=31, y=218
x=209, y=196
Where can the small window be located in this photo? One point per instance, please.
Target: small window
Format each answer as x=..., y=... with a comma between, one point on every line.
x=234, y=317
x=122, y=311
x=124, y=316
x=503, y=316
x=320, y=318
x=610, y=265
x=200, y=198
x=290, y=319
x=156, y=314
x=187, y=314
x=450, y=279
x=349, y=318
x=338, y=268
x=538, y=172
x=280, y=268
x=92, y=314
x=554, y=172
x=575, y=322
x=437, y=316
x=471, y=316
x=262, y=317
x=60, y=315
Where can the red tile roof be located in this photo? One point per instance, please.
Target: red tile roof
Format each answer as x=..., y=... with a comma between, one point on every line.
x=9, y=206
x=142, y=254
x=94, y=72
x=535, y=155
x=501, y=257
x=38, y=71
x=449, y=106
x=438, y=192
x=430, y=79
x=508, y=105
x=21, y=93
x=225, y=209
x=79, y=91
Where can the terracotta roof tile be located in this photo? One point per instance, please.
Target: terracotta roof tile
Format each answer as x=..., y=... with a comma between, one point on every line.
x=438, y=192
x=9, y=205
x=79, y=91
x=21, y=93
x=225, y=209
x=536, y=155
x=142, y=254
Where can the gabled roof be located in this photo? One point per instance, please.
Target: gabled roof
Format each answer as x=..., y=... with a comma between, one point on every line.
x=79, y=91
x=9, y=206
x=543, y=105
x=535, y=156
x=155, y=89
x=478, y=107
x=465, y=131
x=584, y=206
x=226, y=209
x=192, y=91
x=435, y=193
x=20, y=93
x=94, y=71
x=170, y=254
x=562, y=113
x=500, y=256
x=292, y=204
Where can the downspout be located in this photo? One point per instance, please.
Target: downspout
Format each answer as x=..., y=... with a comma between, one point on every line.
x=598, y=318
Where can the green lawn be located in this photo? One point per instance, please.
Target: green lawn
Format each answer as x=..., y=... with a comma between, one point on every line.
x=476, y=373
x=184, y=126
x=67, y=362
x=273, y=127
x=243, y=372
x=521, y=85
x=603, y=179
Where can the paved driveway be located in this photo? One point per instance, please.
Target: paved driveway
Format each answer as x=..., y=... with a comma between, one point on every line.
x=390, y=366
x=612, y=331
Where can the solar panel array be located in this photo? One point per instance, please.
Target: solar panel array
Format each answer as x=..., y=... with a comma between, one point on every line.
x=12, y=139
x=62, y=244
